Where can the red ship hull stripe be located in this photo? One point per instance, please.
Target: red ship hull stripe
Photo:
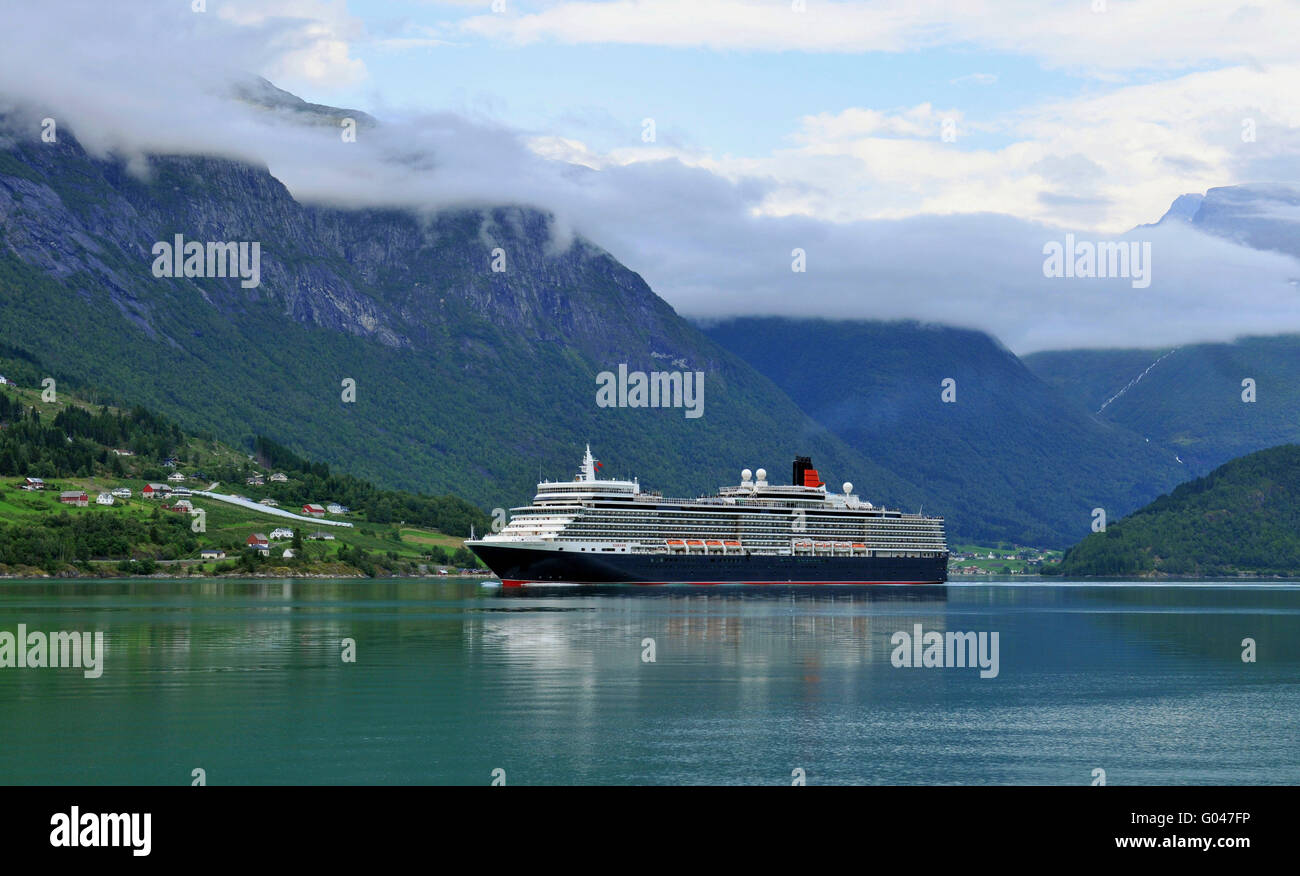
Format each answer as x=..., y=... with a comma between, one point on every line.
x=510, y=582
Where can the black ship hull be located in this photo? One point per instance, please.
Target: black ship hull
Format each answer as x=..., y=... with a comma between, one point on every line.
x=521, y=566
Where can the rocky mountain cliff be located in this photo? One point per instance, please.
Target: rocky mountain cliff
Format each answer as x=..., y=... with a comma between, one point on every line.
x=467, y=380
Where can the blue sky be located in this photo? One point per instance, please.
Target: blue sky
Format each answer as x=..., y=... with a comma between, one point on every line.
x=724, y=101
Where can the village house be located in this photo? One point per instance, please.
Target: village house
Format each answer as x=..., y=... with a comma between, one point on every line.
x=175, y=478
x=4, y=381
x=155, y=491
x=122, y=492
x=320, y=536
x=74, y=497
x=184, y=506
x=279, y=478
x=212, y=554
x=313, y=510
x=104, y=499
x=181, y=491
x=258, y=542
x=255, y=481
x=33, y=484
x=336, y=508
x=288, y=553
x=123, y=452
x=281, y=532
x=269, y=502
x=171, y=462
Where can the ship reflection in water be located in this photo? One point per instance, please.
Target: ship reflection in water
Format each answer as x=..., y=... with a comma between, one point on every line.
x=659, y=685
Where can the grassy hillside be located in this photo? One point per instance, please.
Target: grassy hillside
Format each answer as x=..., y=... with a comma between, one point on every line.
x=75, y=447
x=1241, y=519
x=1189, y=398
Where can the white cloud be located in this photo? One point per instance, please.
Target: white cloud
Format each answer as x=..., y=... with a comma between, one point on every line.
x=896, y=223
x=1130, y=34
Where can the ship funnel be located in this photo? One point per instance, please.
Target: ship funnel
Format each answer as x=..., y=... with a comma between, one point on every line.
x=804, y=475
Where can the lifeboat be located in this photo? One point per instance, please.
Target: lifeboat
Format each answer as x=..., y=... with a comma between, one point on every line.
x=732, y=543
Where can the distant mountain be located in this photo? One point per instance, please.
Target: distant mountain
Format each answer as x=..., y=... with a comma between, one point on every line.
x=467, y=380
x=1259, y=215
x=262, y=93
x=1189, y=398
x=1242, y=518
x=1011, y=459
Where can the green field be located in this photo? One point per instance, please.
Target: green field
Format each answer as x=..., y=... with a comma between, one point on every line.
x=41, y=535
x=1006, y=560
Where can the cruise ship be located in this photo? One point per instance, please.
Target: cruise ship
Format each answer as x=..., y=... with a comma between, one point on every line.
x=596, y=531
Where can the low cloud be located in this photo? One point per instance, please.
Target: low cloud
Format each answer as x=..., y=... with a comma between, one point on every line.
x=714, y=237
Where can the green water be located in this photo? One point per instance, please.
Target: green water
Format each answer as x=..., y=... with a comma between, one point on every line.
x=451, y=681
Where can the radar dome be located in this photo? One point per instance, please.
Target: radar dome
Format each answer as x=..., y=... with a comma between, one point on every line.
x=762, y=474
x=746, y=474
x=848, y=488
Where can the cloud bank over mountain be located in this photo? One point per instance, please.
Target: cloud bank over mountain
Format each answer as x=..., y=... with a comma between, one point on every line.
x=717, y=235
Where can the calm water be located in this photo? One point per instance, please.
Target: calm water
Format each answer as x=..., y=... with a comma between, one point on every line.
x=452, y=680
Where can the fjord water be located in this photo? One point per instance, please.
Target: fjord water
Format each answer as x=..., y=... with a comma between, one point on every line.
x=452, y=680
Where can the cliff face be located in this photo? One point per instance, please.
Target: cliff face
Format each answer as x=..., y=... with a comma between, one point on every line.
x=469, y=380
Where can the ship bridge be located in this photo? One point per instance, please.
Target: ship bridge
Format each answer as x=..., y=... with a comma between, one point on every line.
x=584, y=486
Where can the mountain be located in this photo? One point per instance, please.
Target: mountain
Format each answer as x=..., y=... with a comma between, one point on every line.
x=1189, y=398
x=1242, y=518
x=1192, y=397
x=83, y=449
x=1011, y=459
x=1258, y=215
x=467, y=380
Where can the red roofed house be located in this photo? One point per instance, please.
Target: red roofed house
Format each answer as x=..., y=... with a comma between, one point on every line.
x=155, y=491
x=313, y=510
x=258, y=541
x=74, y=497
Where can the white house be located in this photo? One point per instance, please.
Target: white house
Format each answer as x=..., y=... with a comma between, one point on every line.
x=288, y=553
x=176, y=477
x=269, y=502
x=4, y=381
x=122, y=492
x=281, y=532
x=336, y=508
x=104, y=499
x=279, y=478
x=212, y=554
